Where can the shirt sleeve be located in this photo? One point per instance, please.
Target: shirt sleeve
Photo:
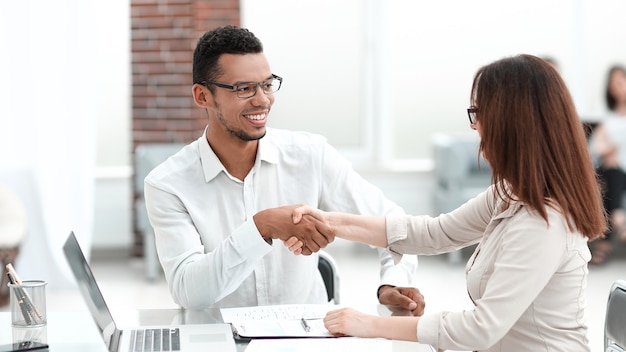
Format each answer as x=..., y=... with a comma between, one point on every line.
x=197, y=280
x=400, y=273
x=424, y=234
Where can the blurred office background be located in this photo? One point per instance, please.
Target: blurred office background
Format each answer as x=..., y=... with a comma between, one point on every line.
x=84, y=82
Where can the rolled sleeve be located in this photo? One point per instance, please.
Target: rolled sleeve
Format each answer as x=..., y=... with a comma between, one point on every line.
x=428, y=329
x=396, y=226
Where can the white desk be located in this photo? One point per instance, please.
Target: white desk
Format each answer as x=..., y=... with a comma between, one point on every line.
x=66, y=331
x=76, y=331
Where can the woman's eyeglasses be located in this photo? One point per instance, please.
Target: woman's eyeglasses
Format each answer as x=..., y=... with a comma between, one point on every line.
x=471, y=113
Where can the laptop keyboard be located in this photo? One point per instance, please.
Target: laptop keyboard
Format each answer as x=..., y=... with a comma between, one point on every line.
x=157, y=340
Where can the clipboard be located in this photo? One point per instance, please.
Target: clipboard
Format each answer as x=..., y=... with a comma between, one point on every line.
x=280, y=329
x=278, y=321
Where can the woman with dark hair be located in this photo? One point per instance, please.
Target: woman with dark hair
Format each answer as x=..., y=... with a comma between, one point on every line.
x=608, y=145
x=527, y=276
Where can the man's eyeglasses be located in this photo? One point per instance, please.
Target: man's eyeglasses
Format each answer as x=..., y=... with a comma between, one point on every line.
x=471, y=113
x=246, y=90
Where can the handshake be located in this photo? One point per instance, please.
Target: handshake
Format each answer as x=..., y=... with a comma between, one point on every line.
x=303, y=229
x=306, y=230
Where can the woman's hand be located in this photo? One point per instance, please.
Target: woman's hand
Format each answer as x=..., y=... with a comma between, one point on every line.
x=299, y=212
x=294, y=245
x=349, y=322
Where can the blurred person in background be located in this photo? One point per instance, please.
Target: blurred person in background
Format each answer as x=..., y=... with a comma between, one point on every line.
x=608, y=147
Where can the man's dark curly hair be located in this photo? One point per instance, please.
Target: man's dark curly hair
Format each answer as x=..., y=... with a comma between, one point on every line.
x=214, y=43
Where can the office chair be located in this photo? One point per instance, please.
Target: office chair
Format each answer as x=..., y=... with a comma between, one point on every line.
x=147, y=157
x=328, y=268
x=460, y=174
x=615, y=322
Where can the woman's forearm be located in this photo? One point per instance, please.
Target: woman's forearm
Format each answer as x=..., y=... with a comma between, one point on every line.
x=397, y=328
x=365, y=229
x=350, y=322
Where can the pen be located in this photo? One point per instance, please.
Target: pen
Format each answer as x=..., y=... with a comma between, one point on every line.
x=305, y=326
x=11, y=270
x=20, y=302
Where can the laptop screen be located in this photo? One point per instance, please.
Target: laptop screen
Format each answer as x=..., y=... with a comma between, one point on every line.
x=89, y=288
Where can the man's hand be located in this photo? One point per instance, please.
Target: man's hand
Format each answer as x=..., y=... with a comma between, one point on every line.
x=402, y=299
x=278, y=223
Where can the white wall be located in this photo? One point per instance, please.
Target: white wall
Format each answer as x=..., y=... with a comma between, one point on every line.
x=48, y=91
x=113, y=192
x=381, y=76
x=65, y=112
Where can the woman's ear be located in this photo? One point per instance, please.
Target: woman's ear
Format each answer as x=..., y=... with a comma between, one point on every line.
x=201, y=95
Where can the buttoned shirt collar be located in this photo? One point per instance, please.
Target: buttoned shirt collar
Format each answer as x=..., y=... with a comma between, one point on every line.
x=212, y=166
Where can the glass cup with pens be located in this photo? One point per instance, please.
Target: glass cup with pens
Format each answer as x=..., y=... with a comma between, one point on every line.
x=28, y=300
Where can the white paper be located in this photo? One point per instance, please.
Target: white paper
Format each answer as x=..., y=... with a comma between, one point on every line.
x=276, y=312
x=279, y=320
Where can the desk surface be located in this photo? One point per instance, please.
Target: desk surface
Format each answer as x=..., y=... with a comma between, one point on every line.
x=76, y=331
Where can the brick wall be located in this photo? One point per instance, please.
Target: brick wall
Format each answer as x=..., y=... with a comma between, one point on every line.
x=163, y=36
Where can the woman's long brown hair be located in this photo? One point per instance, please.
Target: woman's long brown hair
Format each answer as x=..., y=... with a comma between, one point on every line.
x=535, y=142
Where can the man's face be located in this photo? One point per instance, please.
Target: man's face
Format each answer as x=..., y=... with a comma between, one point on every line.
x=243, y=118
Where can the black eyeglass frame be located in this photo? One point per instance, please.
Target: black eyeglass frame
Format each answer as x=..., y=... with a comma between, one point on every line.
x=235, y=87
x=471, y=114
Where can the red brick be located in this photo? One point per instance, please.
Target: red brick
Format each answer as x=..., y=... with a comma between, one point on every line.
x=163, y=36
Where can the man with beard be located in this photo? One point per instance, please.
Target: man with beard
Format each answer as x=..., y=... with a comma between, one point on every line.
x=209, y=204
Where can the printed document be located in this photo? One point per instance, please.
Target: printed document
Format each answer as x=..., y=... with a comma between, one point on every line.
x=295, y=320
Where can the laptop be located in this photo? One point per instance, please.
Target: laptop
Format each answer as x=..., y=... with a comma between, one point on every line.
x=199, y=337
